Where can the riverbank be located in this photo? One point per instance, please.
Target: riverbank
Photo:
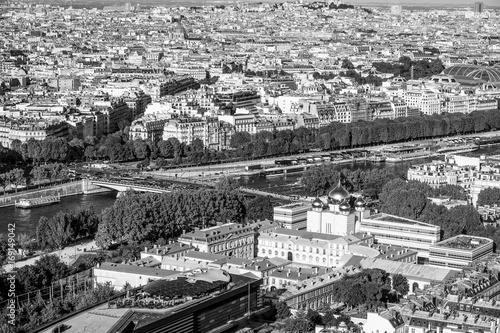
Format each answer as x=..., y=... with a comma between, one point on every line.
x=83, y=186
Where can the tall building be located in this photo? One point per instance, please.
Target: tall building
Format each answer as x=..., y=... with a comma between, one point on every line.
x=478, y=7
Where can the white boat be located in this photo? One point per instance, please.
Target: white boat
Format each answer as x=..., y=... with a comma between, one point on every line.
x=37, y=202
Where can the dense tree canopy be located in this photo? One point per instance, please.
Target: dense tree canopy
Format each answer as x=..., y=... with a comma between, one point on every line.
x=117, y=147
x=141, y=217
x=63, y=228
x=489, y=196
x=409, y=199
x=421, y=68
x=400, y=284
x=319, y=180
x=369, y=287
x=42, y=273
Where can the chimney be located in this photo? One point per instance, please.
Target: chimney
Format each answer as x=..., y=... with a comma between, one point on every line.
x=157, y=250
x=145, y=249
x=412, y=72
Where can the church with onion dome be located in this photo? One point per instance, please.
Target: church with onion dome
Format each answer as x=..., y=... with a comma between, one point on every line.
x=339, y=216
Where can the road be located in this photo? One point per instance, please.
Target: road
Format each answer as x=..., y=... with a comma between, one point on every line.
x=236, y=168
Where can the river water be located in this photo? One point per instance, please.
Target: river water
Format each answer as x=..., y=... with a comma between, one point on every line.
x=27, y=220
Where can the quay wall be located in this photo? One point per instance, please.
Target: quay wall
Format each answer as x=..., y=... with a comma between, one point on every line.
x=83, y=186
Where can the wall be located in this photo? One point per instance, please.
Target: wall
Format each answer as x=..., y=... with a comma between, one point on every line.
x=67, y=189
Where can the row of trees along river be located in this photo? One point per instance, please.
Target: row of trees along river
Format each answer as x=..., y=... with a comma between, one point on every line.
x=118, y=148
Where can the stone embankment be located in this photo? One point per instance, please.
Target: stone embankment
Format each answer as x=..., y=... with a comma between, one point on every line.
x=83, y=186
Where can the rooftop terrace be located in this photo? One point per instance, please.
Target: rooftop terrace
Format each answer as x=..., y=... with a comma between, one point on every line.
x=463, y=242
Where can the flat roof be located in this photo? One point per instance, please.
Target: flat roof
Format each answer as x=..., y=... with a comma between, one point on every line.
x=197, y=255
x=463, y=242
x=294, y=205
x=169, y=248
x=131, y=269
x=97, y=319
x=192, y=283
x=396, y=219
x=304, y=234
x=420, y=272
x=224, y=229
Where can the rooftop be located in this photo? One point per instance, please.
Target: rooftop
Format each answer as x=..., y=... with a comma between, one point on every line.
x=193, y=283
x=397, y=219
x=131, y=269
x=224, y=229
x=420, y=272
x=463, y=242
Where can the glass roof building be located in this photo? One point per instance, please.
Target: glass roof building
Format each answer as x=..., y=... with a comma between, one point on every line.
x=488, y=74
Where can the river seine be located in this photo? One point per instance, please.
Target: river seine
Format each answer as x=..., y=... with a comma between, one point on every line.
x=27, y=220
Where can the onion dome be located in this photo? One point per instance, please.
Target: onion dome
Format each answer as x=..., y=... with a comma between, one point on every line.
x=359, y=203
x=344, y=206
x=317, y=203
x=338, y=194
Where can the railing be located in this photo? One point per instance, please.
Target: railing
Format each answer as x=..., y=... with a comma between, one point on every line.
x=58, y=289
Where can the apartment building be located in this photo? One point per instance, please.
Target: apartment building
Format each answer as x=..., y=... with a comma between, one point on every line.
x=427, y=101
x=230, y=239
x=246, y=99
x=314, y=292
x=114, y=111
x=148, y=127
x=436, y=174
x=213, y=133
x=23, y=130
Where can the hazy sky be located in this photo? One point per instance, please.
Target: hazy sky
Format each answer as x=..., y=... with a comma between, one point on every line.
x=425, y=2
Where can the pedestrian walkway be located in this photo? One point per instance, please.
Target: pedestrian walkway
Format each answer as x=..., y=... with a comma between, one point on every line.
x=67, y=255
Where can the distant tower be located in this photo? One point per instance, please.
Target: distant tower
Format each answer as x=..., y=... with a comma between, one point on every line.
x=396, y=10
x=478, y=7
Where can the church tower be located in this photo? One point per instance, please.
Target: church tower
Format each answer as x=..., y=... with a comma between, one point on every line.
x=341, y=218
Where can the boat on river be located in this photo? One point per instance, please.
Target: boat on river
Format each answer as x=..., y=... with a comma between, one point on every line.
x=37, y=202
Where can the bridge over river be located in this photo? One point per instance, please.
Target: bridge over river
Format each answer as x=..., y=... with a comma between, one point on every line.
x=141, y=186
